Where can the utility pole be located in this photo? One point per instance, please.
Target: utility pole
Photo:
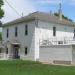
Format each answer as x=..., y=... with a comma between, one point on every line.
x=60, y=11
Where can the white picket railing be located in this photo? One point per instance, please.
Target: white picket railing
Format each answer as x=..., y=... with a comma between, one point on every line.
x=1, y=55
x=57, y=41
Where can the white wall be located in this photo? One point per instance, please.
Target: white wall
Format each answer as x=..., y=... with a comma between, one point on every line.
x=44, y=30
x=55, y=53
x=73, y=54
x=22, y=38
x=37, y=35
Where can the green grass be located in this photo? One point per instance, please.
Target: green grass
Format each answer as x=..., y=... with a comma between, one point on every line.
x=19, y=67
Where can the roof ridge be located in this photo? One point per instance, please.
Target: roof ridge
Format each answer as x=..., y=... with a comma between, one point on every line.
x=41, y=16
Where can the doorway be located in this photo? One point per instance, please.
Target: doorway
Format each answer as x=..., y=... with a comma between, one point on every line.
x=16, y=52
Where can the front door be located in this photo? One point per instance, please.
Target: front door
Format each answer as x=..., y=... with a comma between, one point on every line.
x=16, y=52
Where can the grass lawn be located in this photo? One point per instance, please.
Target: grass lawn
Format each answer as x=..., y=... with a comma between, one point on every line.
x=19, y=67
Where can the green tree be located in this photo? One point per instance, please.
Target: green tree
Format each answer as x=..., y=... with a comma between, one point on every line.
x=0, y=36
x=1, y=10
x=1, y=15
x=63, y=16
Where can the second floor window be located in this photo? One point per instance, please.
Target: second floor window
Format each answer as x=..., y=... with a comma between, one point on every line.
x=26, y=29
x=54, y=31
x=7, y=33
x=16, y=33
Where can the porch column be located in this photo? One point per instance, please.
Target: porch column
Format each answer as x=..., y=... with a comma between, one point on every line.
x=9, y=55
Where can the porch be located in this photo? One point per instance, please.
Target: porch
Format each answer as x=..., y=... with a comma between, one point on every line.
x=9, y=50
x=14, y=51
x=57, y=41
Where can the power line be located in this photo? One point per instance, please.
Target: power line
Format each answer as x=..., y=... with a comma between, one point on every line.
x=12, y=8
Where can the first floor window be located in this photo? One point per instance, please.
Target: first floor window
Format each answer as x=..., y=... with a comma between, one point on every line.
x=7, y=33
x=74, y=33
x=26, y=50
x=0, y=50
x=6, y=50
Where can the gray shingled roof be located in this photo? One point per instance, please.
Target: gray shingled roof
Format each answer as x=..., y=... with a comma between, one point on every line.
x=41, y=16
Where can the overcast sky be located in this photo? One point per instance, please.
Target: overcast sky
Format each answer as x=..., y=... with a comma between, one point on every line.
x=29, y=6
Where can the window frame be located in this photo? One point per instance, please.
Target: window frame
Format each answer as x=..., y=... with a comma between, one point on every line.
x=7, y=34
x=0, y=50
x=26, y=29
x=6, y=50
x=16, y=31
x=26, y=50
x=74, y=33
x=54, y=31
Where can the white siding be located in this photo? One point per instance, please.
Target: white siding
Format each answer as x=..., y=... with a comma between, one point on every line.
x=55, y=53
x=44, y=30
x=22, y=38
x=37, y=35
x=73, y=54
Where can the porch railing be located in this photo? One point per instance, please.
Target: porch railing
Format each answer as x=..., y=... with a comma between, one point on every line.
x=1, y=55
x=57, y=41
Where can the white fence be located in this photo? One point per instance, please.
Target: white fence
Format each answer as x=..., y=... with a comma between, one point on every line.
x=3, y=56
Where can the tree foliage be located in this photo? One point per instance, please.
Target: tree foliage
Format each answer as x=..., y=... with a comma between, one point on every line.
x=63, y=16
x=1, y=10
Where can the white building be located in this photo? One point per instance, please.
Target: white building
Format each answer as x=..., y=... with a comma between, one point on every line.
x=40, y=37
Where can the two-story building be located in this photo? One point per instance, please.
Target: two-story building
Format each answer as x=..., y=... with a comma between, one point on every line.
x=40, y=36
